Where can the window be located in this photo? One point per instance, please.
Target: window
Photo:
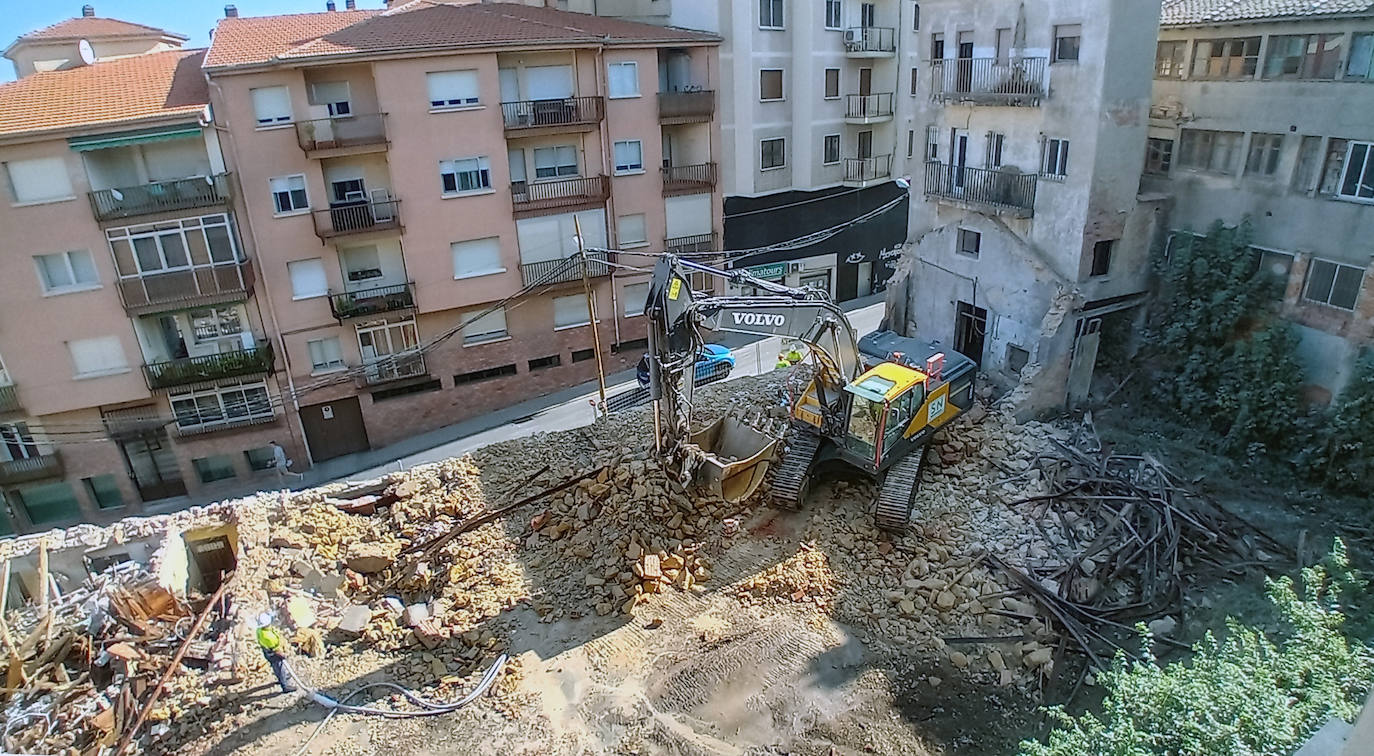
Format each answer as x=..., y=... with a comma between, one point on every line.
x=307, y=278
x=1102, y=257
x=937, y=46
x=260, y=459
x=1067, y=39
x=1333, y=168
x=1361, y=62
x=1170, y=59
x=451, y=89
x=932, y=144
x=66, y=271
x=173, y=245
x=570, y=311
x=325, y=354
x=1263, y=159
x=477, y=257
x=834, y=15
x=489, y=327
x=916, y=17
x=915, y=80
x=770, y=14
x=1334, y=284
x=271, y=105
x=629, y=156
x=773, y=153
x=465, y=175
x=770, y=84
x=540, y=363
x=221, y=325
x=1357, y=181
x=104, y=491
x=1213, y=151
x=832, y=83
x=969, y=242
x=911, y=142
x=868, y=15
x=995, y=143
x=348, y=190
x=1002, y=51
x=1309, y=159
x=1159, y=155
x=234, y=403
x=49, y=504
x=102, y=355
x=632, y=230
x=622, y=79
x=1226, y=58
x=1016, y=358
x=1303, y=56
x=333, y=95
x=1056, y=158
x=213, y=468
x=636, y=295
x=554, y=162
x=582, y=355
x=288, y=193
x=476, y=376
x=832, y=149
x=39, y=180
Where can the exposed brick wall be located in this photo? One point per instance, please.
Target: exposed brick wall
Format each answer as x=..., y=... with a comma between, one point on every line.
x=1356, y=326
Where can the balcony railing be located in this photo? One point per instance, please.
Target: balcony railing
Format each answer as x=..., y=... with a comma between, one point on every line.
x=160, y=197
x=868, y=106
x=38, y=467
x=1002, y=191
x=870, y=40
x=210, y=367
x=368, y=302
x=548, y=272
x=858, y=170
x=393, y=368
x=9, y=398
x=686, y=107
x=542, y=195
x=989, y=81
x=342, y=132
x=190, y=287
x=357, y=218
x=566, y=111
x=696, y=244
x=689, y=179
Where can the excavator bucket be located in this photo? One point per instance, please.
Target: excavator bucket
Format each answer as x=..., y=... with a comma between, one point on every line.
x=734, y=457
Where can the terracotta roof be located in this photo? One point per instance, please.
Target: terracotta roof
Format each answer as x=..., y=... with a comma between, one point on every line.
x=86, y=27
x=110, y=92
x=1175, y=12
x=422, y=25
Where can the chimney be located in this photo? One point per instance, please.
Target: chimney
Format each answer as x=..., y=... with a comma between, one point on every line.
x=351, y=4
x=88, y=11
x=231, y=12
x=329, y=6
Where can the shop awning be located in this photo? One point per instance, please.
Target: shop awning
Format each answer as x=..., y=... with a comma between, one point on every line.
x=142, y=136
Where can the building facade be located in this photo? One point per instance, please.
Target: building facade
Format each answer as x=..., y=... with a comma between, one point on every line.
x=1264, y=112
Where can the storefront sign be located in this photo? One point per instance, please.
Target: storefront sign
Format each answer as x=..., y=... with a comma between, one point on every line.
x=769, y=272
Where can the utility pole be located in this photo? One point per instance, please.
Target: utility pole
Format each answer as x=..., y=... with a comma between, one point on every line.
x=591, y=315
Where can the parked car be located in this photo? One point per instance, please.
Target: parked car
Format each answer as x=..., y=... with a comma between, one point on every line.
x=714, y=363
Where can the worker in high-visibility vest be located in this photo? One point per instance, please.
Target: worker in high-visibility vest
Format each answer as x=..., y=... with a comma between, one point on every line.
x=782, y=361
x=271, y=643
x=794, y=354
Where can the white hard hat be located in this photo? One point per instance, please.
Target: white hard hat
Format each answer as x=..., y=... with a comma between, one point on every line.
x=264, y=619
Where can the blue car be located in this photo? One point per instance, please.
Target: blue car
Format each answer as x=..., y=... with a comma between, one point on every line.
x=714, y=363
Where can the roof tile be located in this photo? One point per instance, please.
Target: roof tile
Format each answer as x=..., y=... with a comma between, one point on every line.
x=86, y=27
x=1177, y=12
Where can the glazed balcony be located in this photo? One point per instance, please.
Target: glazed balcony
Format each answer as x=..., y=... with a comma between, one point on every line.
x=160, y=197
x=556, y=271
x=209, y=368
x=38, y=467
x=194, y=286
x=396, y=367
x=982, y=189
x=868, y=108
x=1014, y=82
x=695, y=244
x=343, y=135
x=864, y=171
x=369, y=302
x=870, y=42
x=361, y=217
x=547, y=116
x=689, y=179
x=537, y=196
x=686, y=107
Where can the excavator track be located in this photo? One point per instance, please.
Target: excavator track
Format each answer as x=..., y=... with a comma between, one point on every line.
x=897, y=496
x=793, y=475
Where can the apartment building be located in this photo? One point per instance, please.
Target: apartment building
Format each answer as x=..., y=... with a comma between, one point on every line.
x=413, y=180
x=1265, y=110
x=1027, y=232
x=137, y=366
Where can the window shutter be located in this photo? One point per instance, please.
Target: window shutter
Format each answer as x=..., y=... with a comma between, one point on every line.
x=623, y=79
x=476, y=257
x=635, y=296
x=688, y=215
x=307, y=278
x=631, y=229
x=39, y=179
x=569, y=311
x=271, y=104
x=451, y=88
x=99, y=355
x=489, y=326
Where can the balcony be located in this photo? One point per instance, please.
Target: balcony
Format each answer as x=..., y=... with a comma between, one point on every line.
x=548, y=116
x=982, y=189
x=537, y=196
x=689, y=245
x=869, y=108
x=559, y=270
x=989, y=81
x=9, y=399
x=196, y=286
x=343, y=135
x=209, y=368
x=369, y=302
x=160, y=197
x=361, y=217
x=37, y=467
x=395, y=367
x=870, y=42
x=866, y=171
x=686, y=107
x=689, y=179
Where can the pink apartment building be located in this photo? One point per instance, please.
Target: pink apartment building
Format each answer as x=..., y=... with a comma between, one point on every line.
x=276, y=231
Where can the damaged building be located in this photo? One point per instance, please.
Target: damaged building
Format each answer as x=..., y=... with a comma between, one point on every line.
x=1028, y=235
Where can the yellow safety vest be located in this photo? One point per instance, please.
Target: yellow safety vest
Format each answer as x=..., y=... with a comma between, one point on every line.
x=269, y=639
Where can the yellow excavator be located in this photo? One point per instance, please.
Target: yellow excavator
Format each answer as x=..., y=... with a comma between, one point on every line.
x=872, y=406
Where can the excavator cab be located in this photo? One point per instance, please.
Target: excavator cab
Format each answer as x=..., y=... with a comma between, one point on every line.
x=883, y=403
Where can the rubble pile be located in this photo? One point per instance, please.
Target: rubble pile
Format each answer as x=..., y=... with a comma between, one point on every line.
x=805, y=577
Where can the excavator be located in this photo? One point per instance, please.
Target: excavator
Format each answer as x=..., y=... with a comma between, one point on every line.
x=870, y=406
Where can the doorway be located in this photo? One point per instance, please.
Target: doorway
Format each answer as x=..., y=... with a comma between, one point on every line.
x=964, y=79
x=865, y=145
x=335, y=428
x=865, y=81
x=958, y=156
x=214, y=558
x=868, y=15
x=152, y=466
x=1087, y=339
x=970, y=330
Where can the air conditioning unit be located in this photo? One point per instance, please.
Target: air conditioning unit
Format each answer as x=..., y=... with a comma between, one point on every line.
x=852, y=38
x=795, y=267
